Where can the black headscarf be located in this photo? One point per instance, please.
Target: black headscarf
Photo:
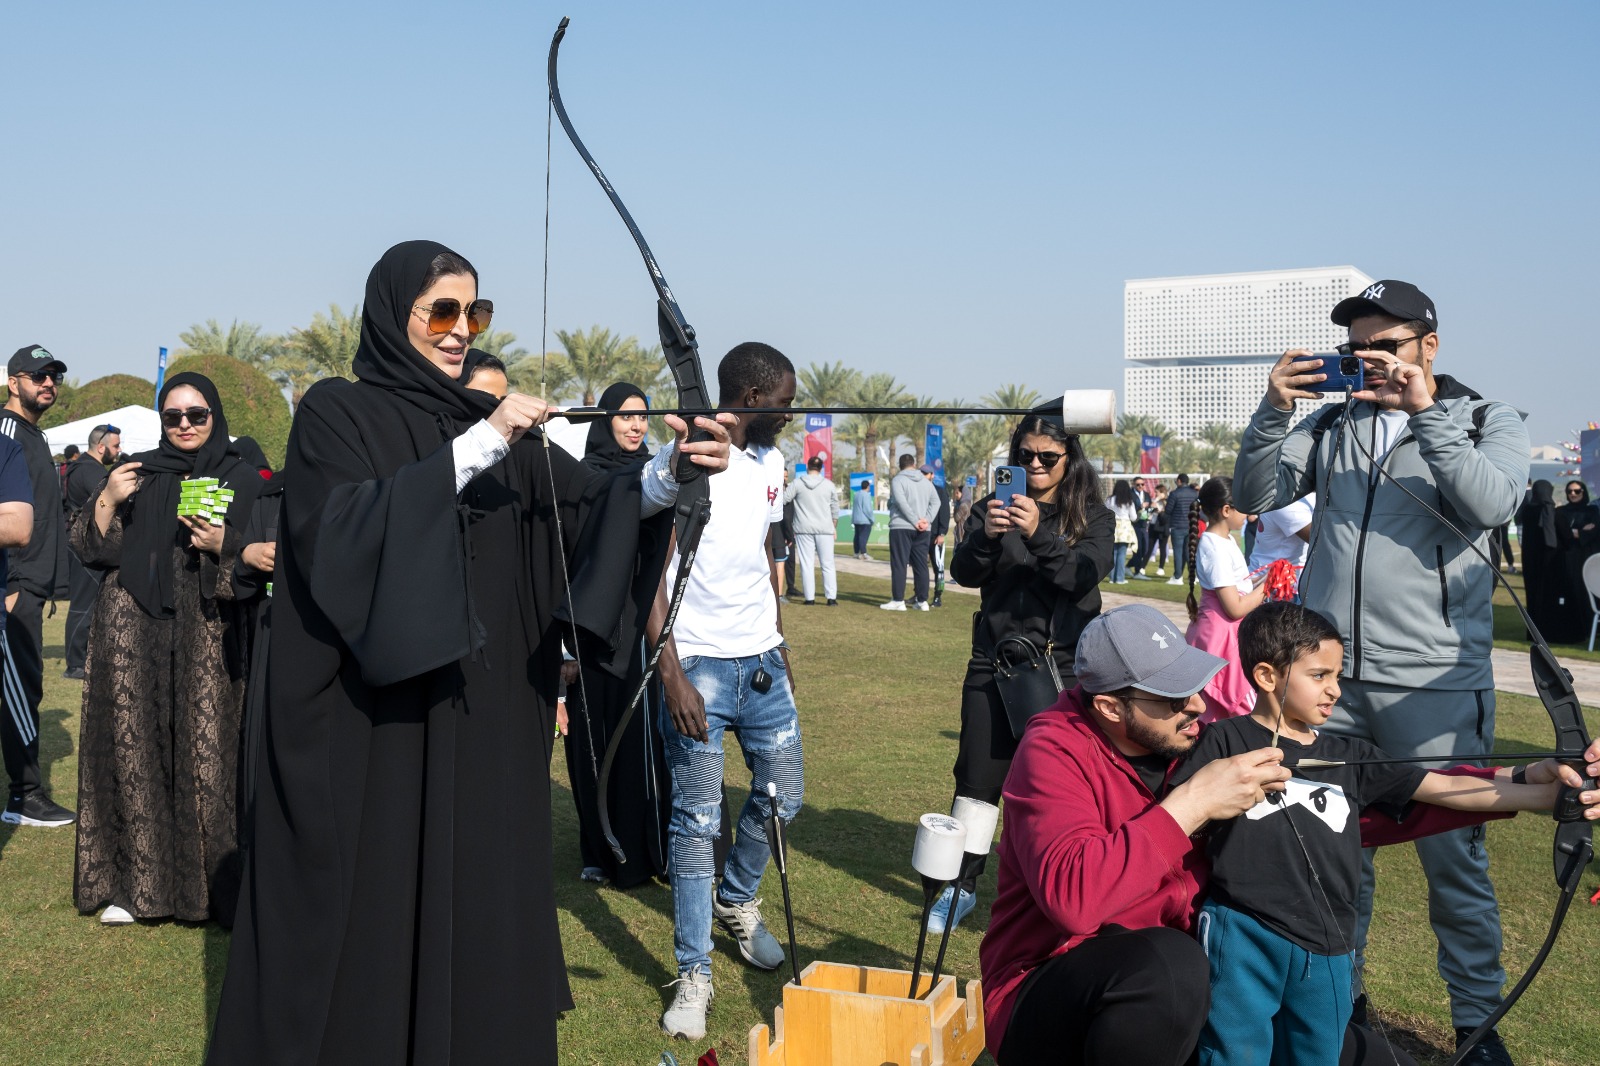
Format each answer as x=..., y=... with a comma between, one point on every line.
x=251, y=453
x=151, y=527
x=602, y=451
x=1545, y=512
x=386, y=358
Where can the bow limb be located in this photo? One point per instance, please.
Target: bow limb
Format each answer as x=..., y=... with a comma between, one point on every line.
x=1574, y=837
x=693, y=506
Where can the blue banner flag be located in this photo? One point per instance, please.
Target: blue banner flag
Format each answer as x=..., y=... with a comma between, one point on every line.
x=933, y=452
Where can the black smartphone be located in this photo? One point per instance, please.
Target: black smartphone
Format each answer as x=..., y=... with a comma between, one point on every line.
x=1346, y=373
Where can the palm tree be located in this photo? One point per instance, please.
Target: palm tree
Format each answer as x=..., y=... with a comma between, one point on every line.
x=1013, y=396
x=498, y=343
x=873, y=390
x=324, y=349
x=598, y=358
x=1222, y=438
x=243, y=341
x=827, y=385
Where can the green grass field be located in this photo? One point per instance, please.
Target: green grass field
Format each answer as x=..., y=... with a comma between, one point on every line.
x=878, y=695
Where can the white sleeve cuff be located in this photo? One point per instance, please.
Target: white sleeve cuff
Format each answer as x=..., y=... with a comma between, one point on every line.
x=658, y=483
x=477, y=450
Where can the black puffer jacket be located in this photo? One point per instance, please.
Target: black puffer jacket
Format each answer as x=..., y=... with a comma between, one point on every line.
x=1039, y=587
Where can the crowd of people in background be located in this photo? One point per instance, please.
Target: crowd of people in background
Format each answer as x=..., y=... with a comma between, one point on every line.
x=310, y=790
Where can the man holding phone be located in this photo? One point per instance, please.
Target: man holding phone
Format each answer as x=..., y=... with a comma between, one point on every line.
x=1412, y=594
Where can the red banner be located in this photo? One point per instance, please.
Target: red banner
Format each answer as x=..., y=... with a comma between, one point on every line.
x=819, y=441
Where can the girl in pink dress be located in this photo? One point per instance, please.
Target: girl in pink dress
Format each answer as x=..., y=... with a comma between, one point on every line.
x=1228, y=594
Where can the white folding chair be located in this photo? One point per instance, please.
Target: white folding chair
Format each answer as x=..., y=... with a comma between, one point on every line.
x=1591, y=585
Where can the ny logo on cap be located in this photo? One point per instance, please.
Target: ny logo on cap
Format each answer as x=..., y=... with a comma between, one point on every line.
x=1374, y=292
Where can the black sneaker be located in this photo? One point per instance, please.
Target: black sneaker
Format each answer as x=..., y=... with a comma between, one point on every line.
x=75, y=674
x=1358, y=1011
x=937, y=601
x=808, y=603
x=833, y=603
x=1490, y=1051
x=36, y=809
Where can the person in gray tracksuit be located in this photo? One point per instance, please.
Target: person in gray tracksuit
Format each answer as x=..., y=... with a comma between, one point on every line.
x=816, y=524
x=913, y=505
x=1411, y=597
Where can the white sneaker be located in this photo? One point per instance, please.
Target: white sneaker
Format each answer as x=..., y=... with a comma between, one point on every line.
x=922, y=605
x=1161, y=571
x=893, y=605
x=115, y=915
x=1175, y=581
x=686, y=1018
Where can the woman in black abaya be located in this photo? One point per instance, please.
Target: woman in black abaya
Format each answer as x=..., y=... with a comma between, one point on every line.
x=398, y=904
x=1541, y=559
x=639, y=790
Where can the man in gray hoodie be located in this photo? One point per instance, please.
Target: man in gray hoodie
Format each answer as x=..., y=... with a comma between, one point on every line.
x=816, y=525
x=913, y=504
x=1410, y=596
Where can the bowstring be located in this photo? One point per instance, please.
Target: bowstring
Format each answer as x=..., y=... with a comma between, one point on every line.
x=549, y=466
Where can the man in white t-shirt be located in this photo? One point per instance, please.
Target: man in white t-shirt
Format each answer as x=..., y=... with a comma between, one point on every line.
x=726, y=668
x=1284, y=534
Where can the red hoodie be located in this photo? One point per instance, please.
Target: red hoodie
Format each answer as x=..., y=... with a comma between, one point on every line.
x=1085, y=845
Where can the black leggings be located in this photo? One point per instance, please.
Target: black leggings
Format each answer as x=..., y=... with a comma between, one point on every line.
x=1124, y=996
x=987, y=746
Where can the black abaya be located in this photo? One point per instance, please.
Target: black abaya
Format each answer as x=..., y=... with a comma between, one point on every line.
x=398, y=904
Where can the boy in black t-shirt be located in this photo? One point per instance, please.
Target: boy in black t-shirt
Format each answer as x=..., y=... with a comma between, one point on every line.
x=1278, y=924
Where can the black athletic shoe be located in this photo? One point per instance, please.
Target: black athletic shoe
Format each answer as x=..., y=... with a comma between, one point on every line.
x=1358, y=1011
x=1490, y=1051
x=73, y=675
x=937, y=601
x=808, y=603
x=833, y=603
x=36, y=809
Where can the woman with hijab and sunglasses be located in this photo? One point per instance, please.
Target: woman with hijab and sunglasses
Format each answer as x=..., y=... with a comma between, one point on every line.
x=158, y=764
x=639, y=791
x=1037, y=564
x=398, y=904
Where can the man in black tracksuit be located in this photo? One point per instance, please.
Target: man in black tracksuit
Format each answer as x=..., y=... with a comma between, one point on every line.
x=85, y=475
x=37, y=572
x=940, y=527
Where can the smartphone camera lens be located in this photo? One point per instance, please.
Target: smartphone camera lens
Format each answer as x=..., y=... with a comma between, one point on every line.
x=1002, y=477
x=1350, y=366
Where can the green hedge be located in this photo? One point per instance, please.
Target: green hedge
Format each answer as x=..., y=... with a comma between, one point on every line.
x=98, y=396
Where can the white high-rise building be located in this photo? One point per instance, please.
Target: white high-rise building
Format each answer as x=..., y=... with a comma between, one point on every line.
x=1198, y=348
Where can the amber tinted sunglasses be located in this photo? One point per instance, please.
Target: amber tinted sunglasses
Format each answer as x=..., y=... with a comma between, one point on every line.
x=442, y=315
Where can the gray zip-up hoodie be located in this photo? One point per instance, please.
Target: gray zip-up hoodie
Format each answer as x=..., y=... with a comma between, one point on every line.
x=1410, y=597
x=911, y=496
x=816, y=504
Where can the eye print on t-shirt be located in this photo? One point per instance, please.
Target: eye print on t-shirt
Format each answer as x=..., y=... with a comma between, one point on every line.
x=1327, y=802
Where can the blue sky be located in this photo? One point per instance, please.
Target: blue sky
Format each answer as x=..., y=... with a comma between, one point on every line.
x=950, y=193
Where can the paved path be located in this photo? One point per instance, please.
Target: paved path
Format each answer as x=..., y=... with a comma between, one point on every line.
x=1511, y=670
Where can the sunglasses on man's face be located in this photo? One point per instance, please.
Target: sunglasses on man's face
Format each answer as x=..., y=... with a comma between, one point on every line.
x=42, y=376
x=197, y=416
x=1390, y=345
x=442, y=315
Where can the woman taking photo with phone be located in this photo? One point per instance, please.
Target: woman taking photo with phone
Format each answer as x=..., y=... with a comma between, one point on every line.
x=1037, y=562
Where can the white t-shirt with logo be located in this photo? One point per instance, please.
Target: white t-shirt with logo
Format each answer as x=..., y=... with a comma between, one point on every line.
x=1218, y=563
x=729, y=609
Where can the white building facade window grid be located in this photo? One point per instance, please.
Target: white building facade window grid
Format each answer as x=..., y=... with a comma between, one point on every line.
x=1198, y=348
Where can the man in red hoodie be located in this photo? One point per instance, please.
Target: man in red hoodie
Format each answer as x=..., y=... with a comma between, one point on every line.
x=1089, y=956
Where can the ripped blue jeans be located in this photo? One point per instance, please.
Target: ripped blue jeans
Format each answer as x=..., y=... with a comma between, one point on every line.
x=768, y=728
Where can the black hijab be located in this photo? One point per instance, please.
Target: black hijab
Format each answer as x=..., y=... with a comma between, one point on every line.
x=385, y=357
x=1545, y=512
x=151, y=527
x=602, y=451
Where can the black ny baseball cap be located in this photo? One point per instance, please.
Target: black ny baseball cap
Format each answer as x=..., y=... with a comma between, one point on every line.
x=1400, y=299
x=32, y=360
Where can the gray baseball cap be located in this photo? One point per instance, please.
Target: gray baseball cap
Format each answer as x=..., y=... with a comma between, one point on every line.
x=1138, y=647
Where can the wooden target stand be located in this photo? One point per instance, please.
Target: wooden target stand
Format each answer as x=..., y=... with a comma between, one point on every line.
x=841, y=1015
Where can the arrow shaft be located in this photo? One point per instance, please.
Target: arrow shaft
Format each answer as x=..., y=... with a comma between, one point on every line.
x=1514, y=756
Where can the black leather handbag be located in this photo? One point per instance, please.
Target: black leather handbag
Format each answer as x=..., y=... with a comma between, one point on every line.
x=1027, y=679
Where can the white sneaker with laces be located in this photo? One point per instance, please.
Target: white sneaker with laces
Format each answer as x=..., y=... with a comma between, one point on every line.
x=1175, y=581
x=893, y=605
x=115, y=915
x=686, y=1018
x=922, y=605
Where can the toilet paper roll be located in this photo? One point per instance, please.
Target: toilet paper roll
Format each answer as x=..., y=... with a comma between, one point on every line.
x=941, y=841
x=980, y=818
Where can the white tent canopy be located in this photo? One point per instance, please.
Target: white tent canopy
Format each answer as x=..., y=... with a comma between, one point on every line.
x=140, y=426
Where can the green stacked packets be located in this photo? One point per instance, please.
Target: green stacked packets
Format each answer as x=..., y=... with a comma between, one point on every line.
x=204, y=497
